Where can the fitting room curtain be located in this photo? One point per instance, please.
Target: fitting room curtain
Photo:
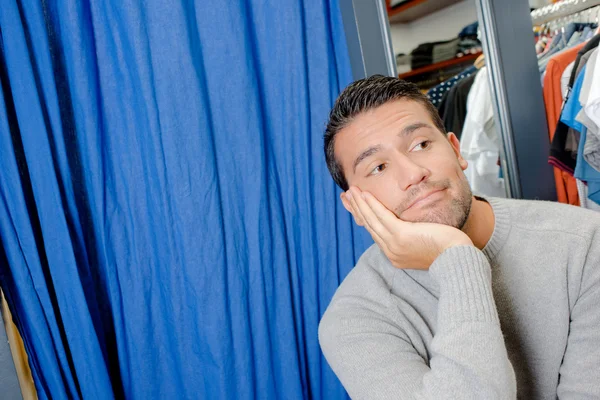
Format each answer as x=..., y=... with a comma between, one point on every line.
x=168, y=226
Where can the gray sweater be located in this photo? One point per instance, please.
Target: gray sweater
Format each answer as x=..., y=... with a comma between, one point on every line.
x=520, y=319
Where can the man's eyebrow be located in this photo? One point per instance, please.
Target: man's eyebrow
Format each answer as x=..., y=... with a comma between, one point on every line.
x=367, y=153
x=407, y=130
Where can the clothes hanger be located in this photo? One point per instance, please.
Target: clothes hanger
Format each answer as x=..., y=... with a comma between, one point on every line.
x=480, y=62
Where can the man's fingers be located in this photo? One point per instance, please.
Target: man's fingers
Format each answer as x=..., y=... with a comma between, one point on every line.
x=357, y=213
x=387, y=218
x=357, y=218
x=367, y=214
x=376, y=238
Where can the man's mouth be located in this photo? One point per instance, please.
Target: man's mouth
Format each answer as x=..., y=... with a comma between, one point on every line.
x=424, y=198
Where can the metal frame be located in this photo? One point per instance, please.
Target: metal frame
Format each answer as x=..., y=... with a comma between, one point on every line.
x=520, y=115
x=561, y=9
x=368, y=38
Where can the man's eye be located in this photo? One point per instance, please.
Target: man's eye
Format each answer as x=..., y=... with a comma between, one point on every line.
x=378, y=169
x=422, y=146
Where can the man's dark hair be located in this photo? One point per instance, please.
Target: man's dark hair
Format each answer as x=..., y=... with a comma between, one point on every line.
x=363, y=95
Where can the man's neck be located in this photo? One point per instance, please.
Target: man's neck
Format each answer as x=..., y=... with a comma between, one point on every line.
x=480, y=223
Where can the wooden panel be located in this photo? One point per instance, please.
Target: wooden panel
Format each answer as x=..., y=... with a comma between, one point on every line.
x=416, y=9
x=440, y=65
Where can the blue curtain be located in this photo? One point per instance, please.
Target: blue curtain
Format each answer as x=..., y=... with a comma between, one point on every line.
x=168, y=226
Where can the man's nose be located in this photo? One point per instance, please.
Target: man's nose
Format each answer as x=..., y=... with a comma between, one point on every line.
x=410, y=173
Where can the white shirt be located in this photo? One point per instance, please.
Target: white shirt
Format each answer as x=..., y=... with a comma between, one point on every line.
x=589, y=98
x=480, y=144
x=564, y=79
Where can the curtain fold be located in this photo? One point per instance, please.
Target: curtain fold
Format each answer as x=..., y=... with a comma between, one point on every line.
x=168, y=226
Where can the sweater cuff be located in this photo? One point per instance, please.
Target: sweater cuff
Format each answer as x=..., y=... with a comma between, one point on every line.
x=464, y=277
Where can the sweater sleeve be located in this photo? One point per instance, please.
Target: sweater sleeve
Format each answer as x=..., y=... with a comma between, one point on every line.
x=580, y=369
x=366, y=346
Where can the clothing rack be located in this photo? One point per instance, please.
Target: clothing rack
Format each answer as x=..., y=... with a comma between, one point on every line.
x=562, y=9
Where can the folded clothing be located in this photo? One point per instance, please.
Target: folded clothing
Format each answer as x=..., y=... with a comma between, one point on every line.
x=403, y=59
x=469, y=31
x=467, y=44
x=403, y=63
x=445, y=51
x=435, y=52
x=423, y=54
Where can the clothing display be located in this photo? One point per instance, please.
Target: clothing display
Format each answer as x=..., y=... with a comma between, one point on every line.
x=583, y=197
x=469, y=31
x=464, y=103
x=590, y=115
x=565, y=143
x=453, y=107
x=465, y=106
x=422, y=55
x=403, y=63
x=505, y=322
x=435, y=52
x=445, y=51
x=571, y=116
x=437, y=93
x=564, y=79
x=566, y=187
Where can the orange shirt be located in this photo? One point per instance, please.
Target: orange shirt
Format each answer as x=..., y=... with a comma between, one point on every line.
x=566, y=186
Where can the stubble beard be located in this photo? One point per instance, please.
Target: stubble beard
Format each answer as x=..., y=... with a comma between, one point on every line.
x=453, y=213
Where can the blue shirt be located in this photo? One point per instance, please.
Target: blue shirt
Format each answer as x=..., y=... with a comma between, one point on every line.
x=436, y=93
x=583, y=170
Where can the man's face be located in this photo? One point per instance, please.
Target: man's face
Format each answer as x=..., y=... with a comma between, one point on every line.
x=396, y=153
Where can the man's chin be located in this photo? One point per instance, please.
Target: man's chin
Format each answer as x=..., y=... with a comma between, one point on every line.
x=435, y=216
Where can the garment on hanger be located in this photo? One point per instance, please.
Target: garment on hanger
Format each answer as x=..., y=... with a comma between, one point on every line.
x=565, y=41
x=590, y=114
x=552, y=43
x=453, y=108
x=437, y=93
x=563, y=52
x=565, y=78
x=583, y=171
x=565, y=143
x=480, y=144
x=566, y=187
x=583, y=197
x=589, y=45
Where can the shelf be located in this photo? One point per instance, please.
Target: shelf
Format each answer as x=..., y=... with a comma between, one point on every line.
x=440, y=65
x=415, y=9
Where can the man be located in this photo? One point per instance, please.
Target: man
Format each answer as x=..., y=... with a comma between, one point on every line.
x=461, y=297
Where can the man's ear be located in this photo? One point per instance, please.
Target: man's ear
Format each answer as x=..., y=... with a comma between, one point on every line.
x=456, y=147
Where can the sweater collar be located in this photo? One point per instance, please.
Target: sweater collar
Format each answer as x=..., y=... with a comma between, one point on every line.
x=501, y=227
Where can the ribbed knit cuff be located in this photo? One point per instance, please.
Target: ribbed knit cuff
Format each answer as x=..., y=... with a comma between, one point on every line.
x=465, y=280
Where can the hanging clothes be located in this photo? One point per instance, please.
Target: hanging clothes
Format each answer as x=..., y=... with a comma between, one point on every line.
x=566, y=186
x=583, y=197
x=589, y=116
x=453, y=108
x=583, y=170
x=480, y=144
x=437, y=93
x=563, y=151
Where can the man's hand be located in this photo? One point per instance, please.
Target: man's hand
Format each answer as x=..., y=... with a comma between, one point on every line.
x=408, y=245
